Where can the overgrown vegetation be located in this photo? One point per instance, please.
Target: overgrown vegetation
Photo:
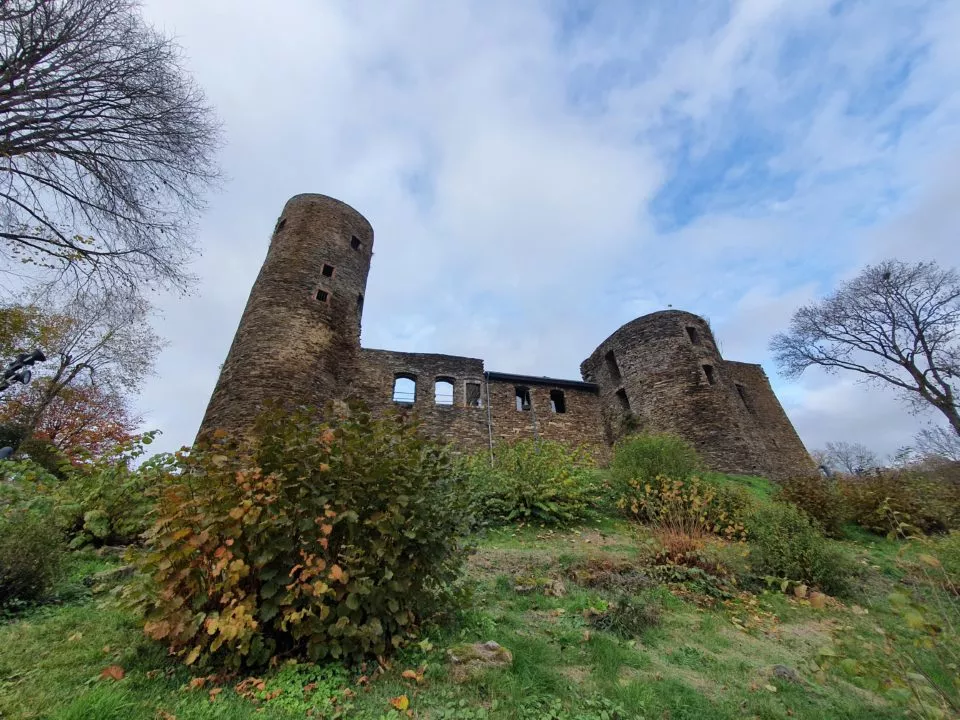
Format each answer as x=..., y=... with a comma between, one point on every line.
x=644, y=458
x=320, y=540
x=786, y=544
x=327, y=560
x=533, y=480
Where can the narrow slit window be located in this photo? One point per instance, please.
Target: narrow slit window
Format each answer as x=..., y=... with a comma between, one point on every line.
x=355, y=242
x=443, y=391
x=612, y=366
x=327, y=270
x=473, y=396
x=693, y=335
x=404, y=389
x=323, y=296
x=743, y=397
x=710, y=373
x=558, y=403
x=280, y=223
x=523, y=398
x=623, y=400
x=359, y=304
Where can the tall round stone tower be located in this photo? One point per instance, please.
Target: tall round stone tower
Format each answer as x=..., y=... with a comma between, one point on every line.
x=663, y=372
x=299, y=336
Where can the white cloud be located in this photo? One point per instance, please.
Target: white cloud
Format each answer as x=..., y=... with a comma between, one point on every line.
x=508, y=160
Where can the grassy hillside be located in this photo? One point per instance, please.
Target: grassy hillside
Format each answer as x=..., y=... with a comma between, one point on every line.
x=538, y=593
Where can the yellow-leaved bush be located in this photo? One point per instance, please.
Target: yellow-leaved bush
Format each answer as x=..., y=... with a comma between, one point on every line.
x=333, y=539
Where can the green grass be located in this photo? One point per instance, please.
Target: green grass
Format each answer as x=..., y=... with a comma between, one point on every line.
x=700, y=662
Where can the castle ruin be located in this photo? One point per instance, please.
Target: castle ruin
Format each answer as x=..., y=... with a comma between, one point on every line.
x=661, y=372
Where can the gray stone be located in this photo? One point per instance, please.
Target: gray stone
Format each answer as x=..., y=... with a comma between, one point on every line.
x=467, y=660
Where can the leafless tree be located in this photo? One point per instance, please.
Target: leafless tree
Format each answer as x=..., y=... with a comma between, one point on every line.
x=895, y=323
x=937, y=443
x=106, y=145
x=102, y=340
x=848, y=457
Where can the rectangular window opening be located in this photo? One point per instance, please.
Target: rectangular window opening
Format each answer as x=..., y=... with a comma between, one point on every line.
x=623, y=400
x=710, y=373
x=693, y=335
x=473, y=397
x=558, y=402
x=612, y=366
x=523, y=398
x=323, y=296
x=327, y=270
x=355, y=242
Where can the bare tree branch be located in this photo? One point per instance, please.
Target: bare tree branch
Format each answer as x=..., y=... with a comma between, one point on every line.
x=894, y=323
x=106, y=146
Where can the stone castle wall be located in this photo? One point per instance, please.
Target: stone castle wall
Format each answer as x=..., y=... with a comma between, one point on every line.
x=299, y=342
x=490, y=413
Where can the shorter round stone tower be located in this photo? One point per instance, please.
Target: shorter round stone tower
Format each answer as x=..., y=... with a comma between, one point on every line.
x=663, y=373
x=299, y=336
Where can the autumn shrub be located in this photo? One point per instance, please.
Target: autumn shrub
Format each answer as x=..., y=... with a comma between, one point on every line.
x=644, y=458
x=885, y=501
x=533, y=480
x=689, y=507
x=630, y=615
x=319, y=540
x=818, y=497
x=786, y=544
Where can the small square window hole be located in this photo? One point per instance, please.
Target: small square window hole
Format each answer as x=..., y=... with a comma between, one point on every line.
x=327, y=270
x=323, y=296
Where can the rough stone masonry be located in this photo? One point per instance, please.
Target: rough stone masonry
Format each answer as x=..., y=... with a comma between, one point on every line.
x=299, y=342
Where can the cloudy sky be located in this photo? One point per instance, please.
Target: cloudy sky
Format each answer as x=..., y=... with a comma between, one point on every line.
x=540, y=172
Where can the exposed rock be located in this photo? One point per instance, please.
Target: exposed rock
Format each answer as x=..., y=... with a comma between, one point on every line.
x=786, y=673
x=556, y=588
x=800, y=591
x=467, y=660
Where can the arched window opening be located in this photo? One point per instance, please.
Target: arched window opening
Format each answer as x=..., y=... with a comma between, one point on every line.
x=612, y=366
x=558, y=402
x=405, y=389
x=443, y=391
x=355, y=242
x=523, y=398
x=623, y=400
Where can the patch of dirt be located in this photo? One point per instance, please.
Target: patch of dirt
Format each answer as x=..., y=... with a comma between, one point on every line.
x=809, y=633
x=577, y=674
x=511, y=562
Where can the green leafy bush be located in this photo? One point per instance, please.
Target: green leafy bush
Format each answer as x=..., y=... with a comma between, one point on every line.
x=31, y=546
x=107, y=502
x=540, y=481
x=818, y=497
x=688, y=507
x=643, y=458
x=787, y=544
x=319, y=540
x=892, y=500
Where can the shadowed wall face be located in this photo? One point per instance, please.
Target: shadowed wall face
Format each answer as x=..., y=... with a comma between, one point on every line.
x=299, y=336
